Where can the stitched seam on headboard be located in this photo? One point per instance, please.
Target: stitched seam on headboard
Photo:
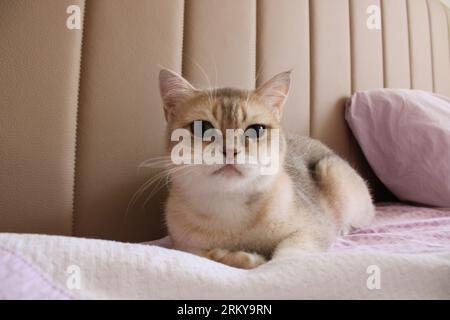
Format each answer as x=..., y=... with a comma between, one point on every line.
x=257, y=69
x=408, y=19
x=349, y=153
x=430, y=30
x=255, y=45
x=351, y=42
x=409, y=42
x=311, y=84
x=183, y=29
x=447, y=16
x=310, y=68
x=383, y=44
x=75, y=162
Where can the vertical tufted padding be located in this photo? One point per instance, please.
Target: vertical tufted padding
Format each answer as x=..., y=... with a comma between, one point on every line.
x=283, y=44
x=330, y=72
x=420, y=45
x=447, y=9
x=396, y=44
x=219, y=43
x=39, y=67
x=366, y=46
x=121, y=122
x=440, y=47
x=367, y=71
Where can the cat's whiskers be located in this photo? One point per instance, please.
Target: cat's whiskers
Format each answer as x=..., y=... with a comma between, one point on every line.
x=259, y=71
x=156, y=164
x=167, y=177
x=155, y=178
x=211, y=91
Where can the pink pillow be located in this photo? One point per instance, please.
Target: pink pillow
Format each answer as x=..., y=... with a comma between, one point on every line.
x=405, y=136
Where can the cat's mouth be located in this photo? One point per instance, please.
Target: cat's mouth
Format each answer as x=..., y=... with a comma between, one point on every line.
x=228, y=170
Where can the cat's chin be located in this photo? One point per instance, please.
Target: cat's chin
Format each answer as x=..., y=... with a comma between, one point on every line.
x=228, y=177
x=228, y=171
x=206, y=179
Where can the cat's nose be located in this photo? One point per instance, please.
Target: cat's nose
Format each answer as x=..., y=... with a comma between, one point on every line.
x=230, y=155
x=233, y=152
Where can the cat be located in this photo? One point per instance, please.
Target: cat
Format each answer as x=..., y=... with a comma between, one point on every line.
x=233, y=214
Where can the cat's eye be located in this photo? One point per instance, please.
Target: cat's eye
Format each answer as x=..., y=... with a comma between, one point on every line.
x=255, y=131
x=199, y=127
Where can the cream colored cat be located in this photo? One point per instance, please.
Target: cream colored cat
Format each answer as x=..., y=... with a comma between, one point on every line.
x=234, y=214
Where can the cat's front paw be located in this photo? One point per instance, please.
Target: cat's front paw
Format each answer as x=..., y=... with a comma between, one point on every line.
x=237, y=259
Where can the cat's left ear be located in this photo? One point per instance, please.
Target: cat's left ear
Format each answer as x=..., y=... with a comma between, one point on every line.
x=274, y=92
x=174, y=91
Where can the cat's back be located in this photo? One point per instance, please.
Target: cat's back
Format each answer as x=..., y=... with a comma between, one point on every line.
x=302, y=148
x=302, y=155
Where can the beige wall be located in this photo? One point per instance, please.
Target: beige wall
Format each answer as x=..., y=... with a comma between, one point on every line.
x=446, y=2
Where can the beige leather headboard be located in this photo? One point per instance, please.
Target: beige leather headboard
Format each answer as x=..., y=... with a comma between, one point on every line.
x=80, y=109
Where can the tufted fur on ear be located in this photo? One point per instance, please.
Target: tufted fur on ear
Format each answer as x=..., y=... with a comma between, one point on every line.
x=174, y=90
x=274, y=92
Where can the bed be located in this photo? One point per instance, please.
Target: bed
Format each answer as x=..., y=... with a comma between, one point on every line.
x=404, y=254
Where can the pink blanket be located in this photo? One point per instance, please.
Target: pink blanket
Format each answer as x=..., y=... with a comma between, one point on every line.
x=36, y=266
x=401, y=228
x=397, y=228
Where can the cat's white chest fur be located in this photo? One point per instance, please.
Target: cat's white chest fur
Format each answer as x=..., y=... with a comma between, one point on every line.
x=226, y=210
x=231, y=219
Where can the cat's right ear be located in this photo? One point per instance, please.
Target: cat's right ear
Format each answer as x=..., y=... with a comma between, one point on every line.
x=174, y=91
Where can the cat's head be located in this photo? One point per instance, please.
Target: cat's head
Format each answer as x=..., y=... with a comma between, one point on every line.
x=205, y=119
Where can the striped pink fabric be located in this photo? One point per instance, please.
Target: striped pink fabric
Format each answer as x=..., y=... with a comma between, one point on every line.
x=21, y=279
x=401, y=228
x=398, y=228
